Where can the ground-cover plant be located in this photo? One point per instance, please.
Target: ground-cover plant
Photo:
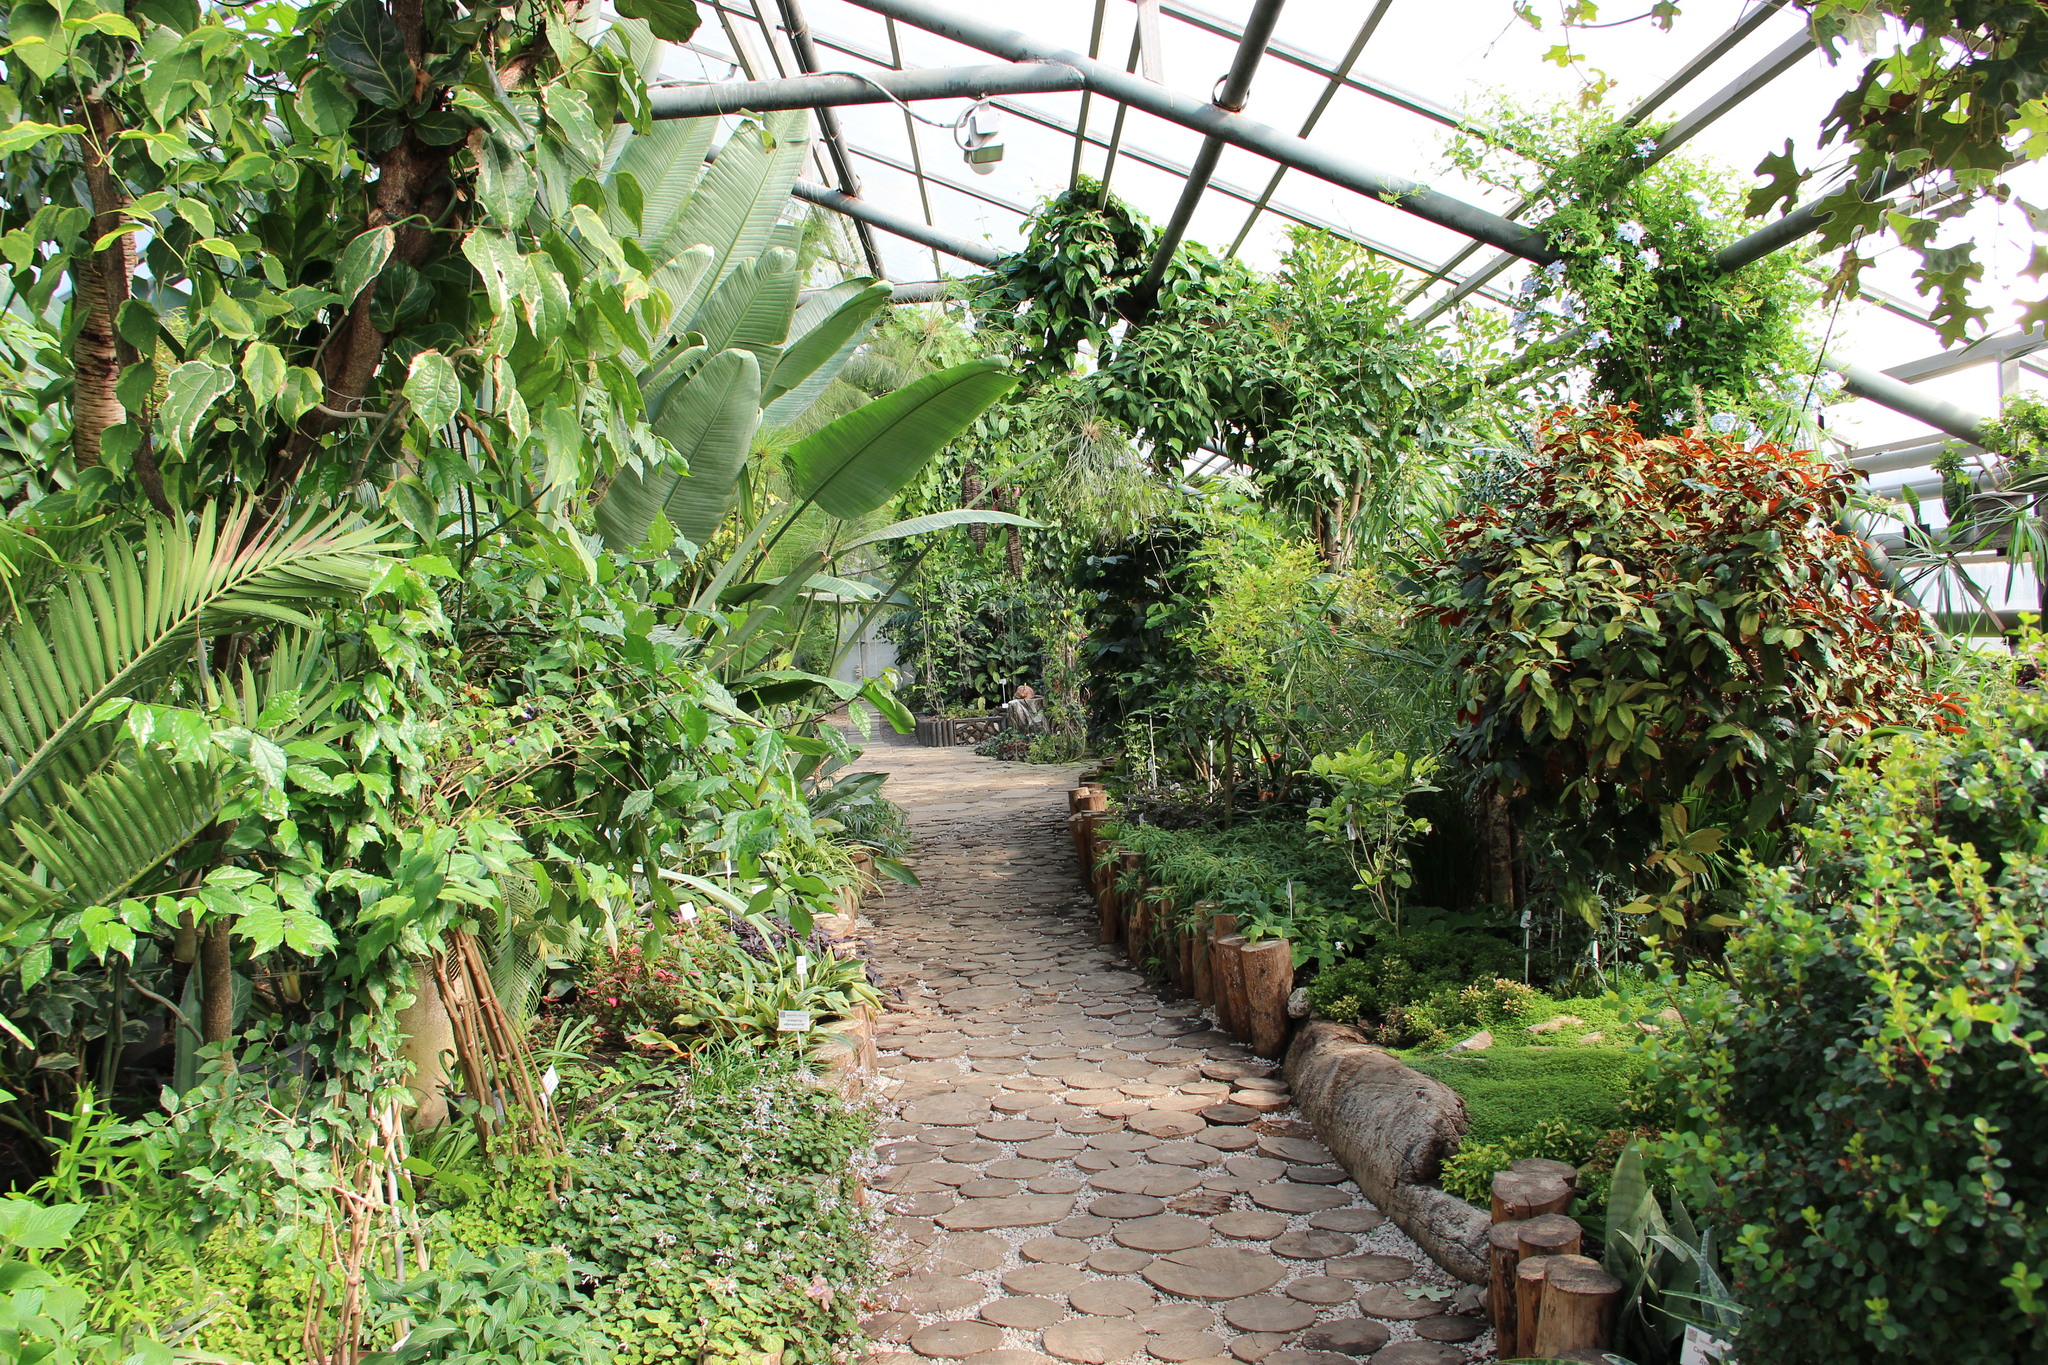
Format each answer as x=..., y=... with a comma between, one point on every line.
x=1384, y=980
x=1664, y=646
x=1859, y=1095
x=717, y=1206
x=1511, y=1092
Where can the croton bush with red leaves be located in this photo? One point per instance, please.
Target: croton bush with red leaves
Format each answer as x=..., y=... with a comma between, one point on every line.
x=1661, y=637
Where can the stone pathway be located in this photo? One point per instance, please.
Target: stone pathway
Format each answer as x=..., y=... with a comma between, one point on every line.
x=1077, y=1167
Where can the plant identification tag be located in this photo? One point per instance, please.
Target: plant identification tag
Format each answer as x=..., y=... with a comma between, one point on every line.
x=793, y=1021
x=687, y=911
x=1701, y=1348
x=803, y=963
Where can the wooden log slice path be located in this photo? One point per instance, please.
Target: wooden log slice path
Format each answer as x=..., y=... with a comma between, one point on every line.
x=1073, y=1165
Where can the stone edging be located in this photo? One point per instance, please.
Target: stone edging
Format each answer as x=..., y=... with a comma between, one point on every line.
x=1392, y=1129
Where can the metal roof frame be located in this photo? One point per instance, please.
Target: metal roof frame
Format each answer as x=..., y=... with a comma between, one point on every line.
x=1032, y=67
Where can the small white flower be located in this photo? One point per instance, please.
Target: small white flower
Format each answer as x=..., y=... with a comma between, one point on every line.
x=1722, y=422
x=1649, y=257
x=1646, y=146
x=1674, y=418
x=1671, y=325
x=1555, y=270
x=1630, y=232
x=1598, y=337
x=1611, y=261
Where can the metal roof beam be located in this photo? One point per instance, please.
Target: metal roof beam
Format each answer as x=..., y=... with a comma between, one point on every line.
x=1378, y=89
x=1326, y=164
x=884, y=87
x=1900, y=397
x=800, y=43
x=1231, y=95
x=977, y=253
x=2002, y=347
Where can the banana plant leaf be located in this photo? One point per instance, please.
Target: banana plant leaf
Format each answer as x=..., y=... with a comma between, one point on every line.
x=863, y=459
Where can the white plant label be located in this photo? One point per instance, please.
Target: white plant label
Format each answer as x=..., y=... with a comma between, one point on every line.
x=803, y=964
x=793, y=1021
x=1701, y=1348
x=687, y=910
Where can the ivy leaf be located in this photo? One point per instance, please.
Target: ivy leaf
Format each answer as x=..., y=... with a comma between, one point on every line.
x=302, y=390
x=189, y=392
x=27, y=134
x=671, y=20
x=325, y=104
x=433, y=388
x=361, y=261
x=1786, y=178
x=366, y=47
x=263, y=372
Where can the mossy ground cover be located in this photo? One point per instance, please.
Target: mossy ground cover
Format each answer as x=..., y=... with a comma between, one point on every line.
x=1510, y=1091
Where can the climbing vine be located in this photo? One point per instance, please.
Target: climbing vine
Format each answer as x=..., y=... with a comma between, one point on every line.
x=1656, y=321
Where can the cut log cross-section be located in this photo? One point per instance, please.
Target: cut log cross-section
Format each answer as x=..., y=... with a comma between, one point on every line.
x=1519, y=1194
x=1553, y=1234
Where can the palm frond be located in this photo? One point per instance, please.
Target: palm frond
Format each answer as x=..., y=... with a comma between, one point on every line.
x=122, y=824
x=118, y=631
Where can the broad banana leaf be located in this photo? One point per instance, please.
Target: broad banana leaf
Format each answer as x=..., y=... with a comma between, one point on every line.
x=939, y=521
x=752, y=309
x=740, y=197
x=710, y=421
x=826, y=331
x=860, y=461
x=118, y=632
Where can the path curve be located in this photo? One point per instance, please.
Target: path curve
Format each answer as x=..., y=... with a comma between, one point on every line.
x=1054, y=1189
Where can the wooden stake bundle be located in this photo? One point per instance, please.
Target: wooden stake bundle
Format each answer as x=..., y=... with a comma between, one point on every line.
x=496, y=1070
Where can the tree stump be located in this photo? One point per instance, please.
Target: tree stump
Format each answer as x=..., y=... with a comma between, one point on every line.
x=1202, y=929
x=1109, y=923
x=1518, y=1195
x=1553, y=1234
x=1130, y=871
x=1228, y=953
x=1539, y=1165
x=1503, y=1254
x=1579, y=1303
x=1143, y=926
x=1184, y=940
x=1529, y=1290
x=1268, y=969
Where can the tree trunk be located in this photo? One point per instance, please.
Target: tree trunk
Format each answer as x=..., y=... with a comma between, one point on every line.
x=1552, y=1234
x=429, y=1036
x=1228, y=953
x=216, y=985
x=1517, y=1196
x=1496, y=838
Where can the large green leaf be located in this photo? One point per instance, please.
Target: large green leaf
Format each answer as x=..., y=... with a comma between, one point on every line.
x=667, y=161
x=859, y=462
x=118, y=631
x=826, y=331
x=752, y=308
x=365, y=46
x=740, y=197
x=939, y=521
x=710, y=421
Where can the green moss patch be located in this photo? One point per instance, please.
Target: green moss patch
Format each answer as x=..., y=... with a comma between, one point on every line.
x=1509, y=1092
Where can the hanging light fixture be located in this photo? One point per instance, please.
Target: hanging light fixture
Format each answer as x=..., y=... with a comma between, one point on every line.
x=980, y=135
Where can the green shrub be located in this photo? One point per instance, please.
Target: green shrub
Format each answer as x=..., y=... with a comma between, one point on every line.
x=1400, y=972
x=1511, y=1092
x=512, y=1307
x=1469, y=1174
x=1865, y=1109
x=1452, y=1012
x=716, y=1207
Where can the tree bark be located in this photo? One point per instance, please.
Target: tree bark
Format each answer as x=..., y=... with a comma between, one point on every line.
x=1529, y=1291
x=1228, y=954
x=216, y=985
x=1503, y=1254
x=101, y=282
